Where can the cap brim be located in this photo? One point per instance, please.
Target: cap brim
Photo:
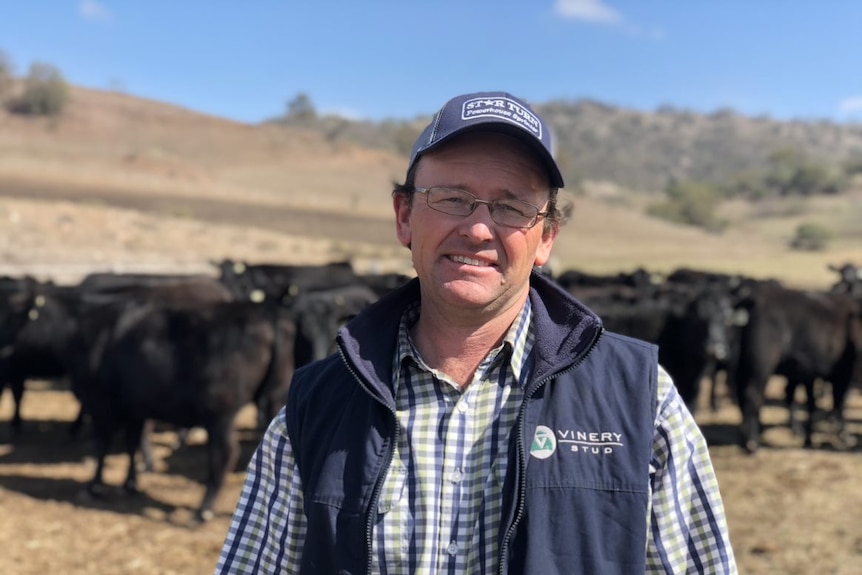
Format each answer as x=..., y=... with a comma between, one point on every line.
x=555, y=178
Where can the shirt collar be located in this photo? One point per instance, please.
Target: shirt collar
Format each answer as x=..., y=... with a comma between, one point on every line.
x=518, y=343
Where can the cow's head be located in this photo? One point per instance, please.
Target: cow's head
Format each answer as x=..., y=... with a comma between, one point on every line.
x=19, y=302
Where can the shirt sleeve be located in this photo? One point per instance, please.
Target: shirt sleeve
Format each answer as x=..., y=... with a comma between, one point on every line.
x=687, y=527
x=268, y=527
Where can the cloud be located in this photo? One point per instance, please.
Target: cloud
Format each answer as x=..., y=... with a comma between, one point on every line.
x=93, y=10
x=851, y=106
x=588, y=10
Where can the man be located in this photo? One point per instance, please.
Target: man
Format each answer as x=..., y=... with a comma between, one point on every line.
x=479, y=419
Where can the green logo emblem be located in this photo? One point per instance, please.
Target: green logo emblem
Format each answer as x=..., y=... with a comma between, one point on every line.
x=544, y=443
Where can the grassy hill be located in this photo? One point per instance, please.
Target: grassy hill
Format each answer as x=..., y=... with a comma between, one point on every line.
x=122, y=146
x=644, y=151
x=641, y=151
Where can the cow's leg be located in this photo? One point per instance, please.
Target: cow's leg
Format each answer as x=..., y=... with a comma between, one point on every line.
x=182, y=437
x=75, y=426
x=264, y=409
x=103, y=435
x=792, y=406
x=223, y=453
x=17, y=387
x=750, y=401
x=2, y=387
x=134, y=429
x=146, y=443
x=811, y=407
x=713, y=388
x=840, y=387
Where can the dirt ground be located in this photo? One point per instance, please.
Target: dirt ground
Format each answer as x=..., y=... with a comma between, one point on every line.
x=790, y=510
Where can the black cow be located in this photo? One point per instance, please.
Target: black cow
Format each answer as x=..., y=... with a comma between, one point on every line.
x=39, y=345
x=282, y=283
x=689, y=326
x=32, y=355
x=49, y=344
x=802, y=336
x=385, y=282
x=18, y=301
x=850, y=280
x=191, y=287
x=17, y=296
x=733, y=288
x=105, y=281
x=692, y=276
x=319, y=315
x=187, y=366
x=640, y=279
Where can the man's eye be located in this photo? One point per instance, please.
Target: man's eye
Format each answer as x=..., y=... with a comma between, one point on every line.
x=511, y=209
x=453, y=201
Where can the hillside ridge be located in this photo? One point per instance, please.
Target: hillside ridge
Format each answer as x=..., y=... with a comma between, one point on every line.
x=135, y=154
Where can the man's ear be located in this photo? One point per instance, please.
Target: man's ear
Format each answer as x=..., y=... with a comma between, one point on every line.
x=402, y=207
x=546, y=244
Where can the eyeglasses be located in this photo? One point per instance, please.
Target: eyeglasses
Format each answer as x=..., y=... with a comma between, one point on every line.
x=455, y=202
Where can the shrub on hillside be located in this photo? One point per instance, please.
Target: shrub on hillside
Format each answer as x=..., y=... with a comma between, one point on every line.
x=789, y=173
x=690, y=203
x=750, y=185
x=853, y=166
x=45, y=92
x=811, y=236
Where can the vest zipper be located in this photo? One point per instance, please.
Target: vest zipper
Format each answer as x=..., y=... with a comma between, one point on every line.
x=378, y=485
x=522, y=452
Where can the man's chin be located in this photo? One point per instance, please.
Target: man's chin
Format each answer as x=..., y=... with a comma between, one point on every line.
x=472, y=293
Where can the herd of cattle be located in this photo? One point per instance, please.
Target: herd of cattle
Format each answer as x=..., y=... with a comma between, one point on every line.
x=193, y=350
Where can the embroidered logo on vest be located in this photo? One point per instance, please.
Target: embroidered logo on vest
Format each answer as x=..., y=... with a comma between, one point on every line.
x=591, y=442
x=544, y=443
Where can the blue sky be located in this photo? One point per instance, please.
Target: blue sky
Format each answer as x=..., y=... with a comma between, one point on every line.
x=376, y=59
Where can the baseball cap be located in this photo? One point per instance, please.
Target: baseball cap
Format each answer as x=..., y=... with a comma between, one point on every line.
x=489, y=111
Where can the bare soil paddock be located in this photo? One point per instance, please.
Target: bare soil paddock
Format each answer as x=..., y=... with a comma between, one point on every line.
x=790, y=510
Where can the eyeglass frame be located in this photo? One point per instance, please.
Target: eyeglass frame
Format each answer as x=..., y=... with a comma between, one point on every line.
x=490, y=203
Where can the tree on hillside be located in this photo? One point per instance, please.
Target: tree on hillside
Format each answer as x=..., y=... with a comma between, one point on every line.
x=45, y=92
x=300, y=110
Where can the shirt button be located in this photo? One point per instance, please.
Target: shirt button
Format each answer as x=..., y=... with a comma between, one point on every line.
x=455, y=476
x=452, y=549
x=462, y=407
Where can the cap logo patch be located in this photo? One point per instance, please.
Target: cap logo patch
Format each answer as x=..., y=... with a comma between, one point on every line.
x=503, y=109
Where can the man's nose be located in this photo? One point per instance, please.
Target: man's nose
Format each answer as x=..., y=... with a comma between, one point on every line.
x=479, y=222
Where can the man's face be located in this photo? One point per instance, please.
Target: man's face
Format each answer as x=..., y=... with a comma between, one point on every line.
x=472, y=263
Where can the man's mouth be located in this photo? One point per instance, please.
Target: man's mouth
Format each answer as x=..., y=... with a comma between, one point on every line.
x=469, y=261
